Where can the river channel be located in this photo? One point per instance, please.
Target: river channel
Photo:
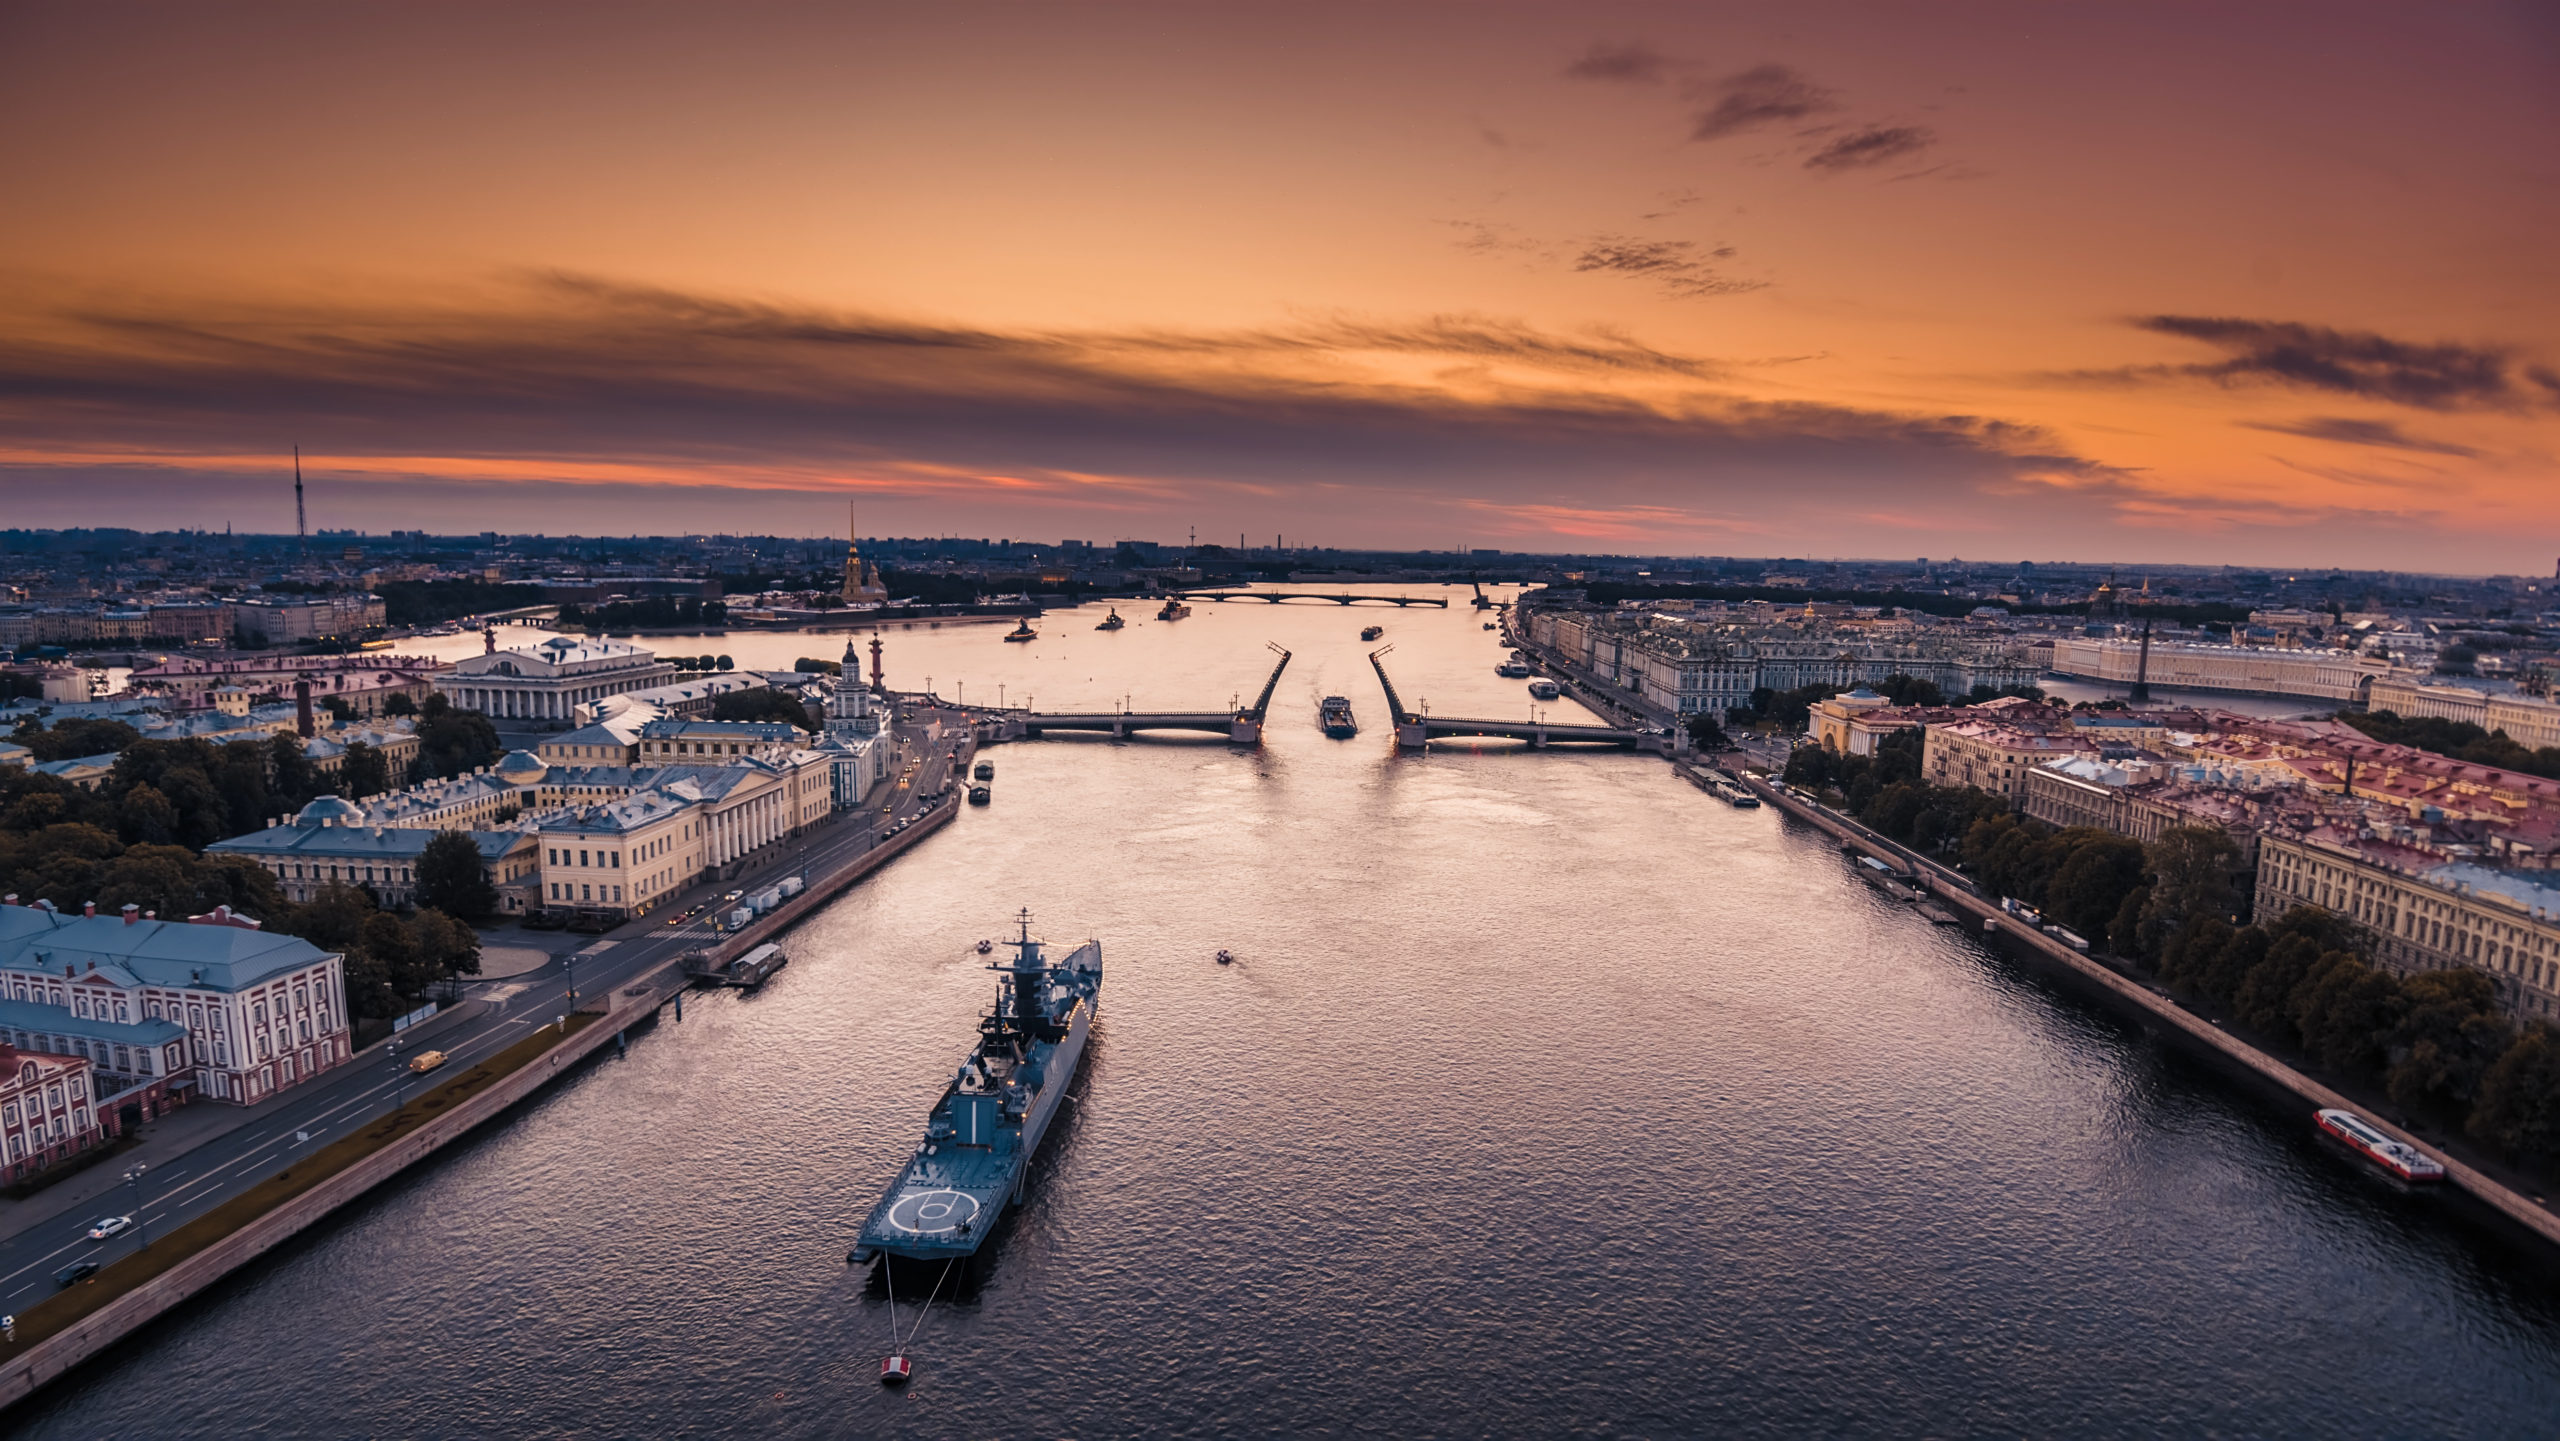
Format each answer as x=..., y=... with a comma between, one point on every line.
x=1548, y=1096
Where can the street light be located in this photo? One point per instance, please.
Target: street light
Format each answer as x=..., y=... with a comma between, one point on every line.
x=133, y=1181
x=399, y=1080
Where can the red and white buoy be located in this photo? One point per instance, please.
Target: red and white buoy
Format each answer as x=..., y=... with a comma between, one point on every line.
x=894, y=1370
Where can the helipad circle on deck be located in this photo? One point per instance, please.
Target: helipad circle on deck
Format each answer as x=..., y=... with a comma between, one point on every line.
x=932, y=1213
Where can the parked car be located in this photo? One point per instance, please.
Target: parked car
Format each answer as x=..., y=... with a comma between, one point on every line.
x=77, y=1272
x=110, y=1226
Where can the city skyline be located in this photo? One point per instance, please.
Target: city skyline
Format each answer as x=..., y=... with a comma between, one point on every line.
x=1627, y=280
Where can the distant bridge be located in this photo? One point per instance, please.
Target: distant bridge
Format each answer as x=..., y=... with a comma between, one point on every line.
x=1414, y=730
x=1277, y=596
x=1241, y=726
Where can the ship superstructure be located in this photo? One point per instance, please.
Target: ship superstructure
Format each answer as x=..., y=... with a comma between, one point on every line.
x=982, y=1135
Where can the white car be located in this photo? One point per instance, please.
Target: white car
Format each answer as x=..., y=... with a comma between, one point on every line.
x=111, y=1226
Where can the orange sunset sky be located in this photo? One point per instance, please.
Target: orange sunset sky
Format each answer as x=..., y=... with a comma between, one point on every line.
x=2264, y=284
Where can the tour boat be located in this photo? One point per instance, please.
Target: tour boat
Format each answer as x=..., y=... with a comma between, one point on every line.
x=1022, y=631
x=2404, y=1161
x=1543, y=688
x=1112, y=621
x=1372, y=632
x=1174, y=609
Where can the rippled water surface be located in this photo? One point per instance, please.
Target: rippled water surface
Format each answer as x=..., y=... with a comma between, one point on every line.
x=1548, y=1097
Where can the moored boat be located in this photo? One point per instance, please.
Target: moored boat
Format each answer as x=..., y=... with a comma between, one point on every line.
x=2361, y=1136
x=980, y=795
x=1543, y=688
x=980, y=1138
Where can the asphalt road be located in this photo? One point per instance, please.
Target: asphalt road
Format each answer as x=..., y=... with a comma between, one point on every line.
x=370, y=1084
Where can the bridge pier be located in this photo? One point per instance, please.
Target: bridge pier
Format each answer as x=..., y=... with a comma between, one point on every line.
x=1247, y=731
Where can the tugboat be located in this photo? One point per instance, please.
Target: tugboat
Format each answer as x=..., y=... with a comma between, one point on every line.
x=1335, y=716
x=1022, y=631
x=986, y=771
x=1112, y=621
x=1174, y=609
x=2407, y=1163
x=1372, y=632
x=980, y=1139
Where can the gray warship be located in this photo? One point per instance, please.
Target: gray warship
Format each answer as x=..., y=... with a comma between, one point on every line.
x=980, y=1139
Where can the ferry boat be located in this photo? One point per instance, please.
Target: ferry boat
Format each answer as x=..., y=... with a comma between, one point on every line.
x=985, y=771
x=1022, y=631
x=1174, y=609
x=974, y=1158
x=1372, y=632
x=1335, y=716
x=1543, y=688
x=1112, y=621
x=980, y=795
x=2359, y=1135
x=1513, y=670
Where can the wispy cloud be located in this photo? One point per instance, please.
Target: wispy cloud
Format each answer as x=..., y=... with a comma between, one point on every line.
x=1870, y=146
x=1633, y=63
x=1680, y=267
x=2380, y=434
x=2428, y=376
x=565, y=383
x=1748, y=100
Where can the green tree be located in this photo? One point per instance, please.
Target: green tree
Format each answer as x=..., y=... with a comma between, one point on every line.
x=724, y=663
x=145, y=816
x=453, y=742
x=398, y=703
x=2519, y=1105
x=70, y=739
x=2191, y=875
x=1704, y=731
x=451, y=877
x=2345, y=1010
x=290, y=769
x=2098, y=870
x=363, y=771
x=2449, y=1034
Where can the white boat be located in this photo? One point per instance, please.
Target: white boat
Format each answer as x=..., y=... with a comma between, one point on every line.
x=2360, y=1136
x=1543, y=688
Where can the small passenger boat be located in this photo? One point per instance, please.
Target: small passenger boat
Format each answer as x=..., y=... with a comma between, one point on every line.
x=1543, y=688
x=2359, y=1135
x=1022, y=631
x=986, y=771
x=1372, y=632
x=1112, y=621
x=980, y=795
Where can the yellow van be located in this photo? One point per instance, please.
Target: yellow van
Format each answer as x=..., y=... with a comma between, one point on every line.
x=426, y=1061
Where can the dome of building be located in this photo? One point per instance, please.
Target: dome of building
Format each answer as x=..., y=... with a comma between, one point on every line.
x=329, y=811
x=521, y=768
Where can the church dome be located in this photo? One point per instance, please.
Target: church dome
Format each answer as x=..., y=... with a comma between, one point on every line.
x=521, y=768
x=330, y=810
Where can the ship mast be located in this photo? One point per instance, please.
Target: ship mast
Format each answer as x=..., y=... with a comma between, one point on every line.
x=1030, y=975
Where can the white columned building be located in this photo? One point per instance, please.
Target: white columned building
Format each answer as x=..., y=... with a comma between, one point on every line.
x=543, y=686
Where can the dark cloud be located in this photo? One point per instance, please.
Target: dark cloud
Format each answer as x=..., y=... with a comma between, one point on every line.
x=1761, y=95
x=1634, y=63
x=1681, y=267
x=2344, y=362
x=2380, y=434
x=571, y=376
x=1871, y=146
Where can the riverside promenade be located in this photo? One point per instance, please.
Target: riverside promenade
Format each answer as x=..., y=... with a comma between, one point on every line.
x=2153, y=1006
x=632, y=984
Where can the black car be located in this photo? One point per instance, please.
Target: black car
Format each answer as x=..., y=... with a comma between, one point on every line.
x=77, y=1272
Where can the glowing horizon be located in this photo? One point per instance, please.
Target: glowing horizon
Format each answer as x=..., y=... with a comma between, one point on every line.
x=2179, y=286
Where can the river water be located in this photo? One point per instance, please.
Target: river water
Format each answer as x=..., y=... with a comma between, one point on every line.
x=1548, y=1096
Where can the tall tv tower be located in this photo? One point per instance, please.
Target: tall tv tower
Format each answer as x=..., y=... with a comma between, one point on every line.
x=301, y=527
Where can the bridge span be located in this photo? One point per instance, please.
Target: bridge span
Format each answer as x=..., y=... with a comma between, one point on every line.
x=1415, y=730
x=1241, y=725
x=1277, y=596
